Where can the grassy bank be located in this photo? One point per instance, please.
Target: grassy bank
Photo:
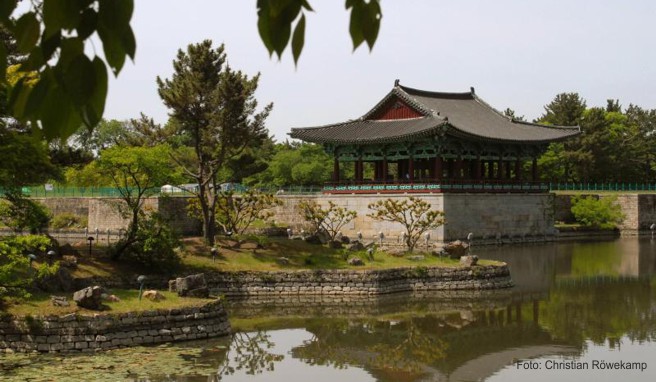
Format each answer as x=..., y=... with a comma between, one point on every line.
x=39, y=304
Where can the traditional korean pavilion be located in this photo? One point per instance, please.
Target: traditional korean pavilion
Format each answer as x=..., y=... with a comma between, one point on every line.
x=422, y=141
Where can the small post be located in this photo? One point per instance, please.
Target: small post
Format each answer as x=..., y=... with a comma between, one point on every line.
x=381, y=236
x=142, y=280
x=108, y=236
x=32, y=257
x=427, y=239
x=51, y=256
x=652, y=228
x=370, y=253
x=289, y=233
x=97, y=233
x=214, y=251
x=470, y=241
x=90, y=239
x=359, y=235
x=404, y=236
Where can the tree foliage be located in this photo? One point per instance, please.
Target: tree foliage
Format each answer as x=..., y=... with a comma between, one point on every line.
x=330, y=220
x=15, y=275
x=71, y=87
x=136, y=172
x=597, y=212
x=414, y=214
x=20, y=213
x=154, y=244
x=236, y=212
x=216, y=108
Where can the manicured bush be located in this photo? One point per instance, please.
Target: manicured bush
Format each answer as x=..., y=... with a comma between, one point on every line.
x=67, y=220
x=601, y=213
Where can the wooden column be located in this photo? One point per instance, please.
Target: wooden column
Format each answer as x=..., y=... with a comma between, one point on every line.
x=411, y=169
x=518, y=169
x=507, y=166
x=439, y=170
x=534, y=169
x=336, y=170
x=500, y=169
x=490, y=169
x=477, y=168
x=385, y=168
x=356, y=170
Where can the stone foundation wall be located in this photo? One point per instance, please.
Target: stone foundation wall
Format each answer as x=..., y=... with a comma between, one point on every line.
x=355, y=282
x=75, y=333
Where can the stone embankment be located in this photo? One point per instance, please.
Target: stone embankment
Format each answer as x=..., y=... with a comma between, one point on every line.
x=78, y=333
x=359, y=282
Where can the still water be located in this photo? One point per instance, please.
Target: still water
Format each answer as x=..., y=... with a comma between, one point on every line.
x=579, y=311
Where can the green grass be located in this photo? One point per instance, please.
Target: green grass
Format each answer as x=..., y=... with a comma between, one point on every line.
x=302, y=255
x=39, y=304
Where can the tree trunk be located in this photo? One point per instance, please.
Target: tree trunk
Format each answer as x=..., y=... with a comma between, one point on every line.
x=131, y=236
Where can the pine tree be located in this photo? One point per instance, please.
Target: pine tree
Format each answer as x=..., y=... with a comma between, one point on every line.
x=216, y=107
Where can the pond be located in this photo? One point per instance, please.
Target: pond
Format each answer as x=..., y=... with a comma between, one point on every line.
x=579, y=310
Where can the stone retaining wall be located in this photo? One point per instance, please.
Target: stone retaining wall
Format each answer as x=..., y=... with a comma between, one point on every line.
x=77, y=333
x=356, y=282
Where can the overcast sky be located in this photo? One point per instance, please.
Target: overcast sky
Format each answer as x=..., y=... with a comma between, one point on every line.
x=517, y=54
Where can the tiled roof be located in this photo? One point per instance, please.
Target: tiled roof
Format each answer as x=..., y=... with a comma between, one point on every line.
x=464, y=114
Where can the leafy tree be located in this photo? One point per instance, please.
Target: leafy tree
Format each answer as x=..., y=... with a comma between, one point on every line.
x=72, y=87
x=14, y=263
x=304, y=164
x=597, y=213
x=235, y=213
x=216, y=107
x=20, y=213
x=414, y=214
x=330, y=220
x=136, y=172
x=154, y=244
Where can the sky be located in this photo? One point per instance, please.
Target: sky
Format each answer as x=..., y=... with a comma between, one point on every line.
x=516, y=54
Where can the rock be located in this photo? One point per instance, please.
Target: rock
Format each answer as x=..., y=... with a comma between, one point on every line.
x=345, y=239
x=369, y=244
x=110, y=297
x=355, y=246
x=173, y=285
x=282, y=261
x=59, y=301
x=396, y=252
x=323, y=237
x=440, y=252
x=192, y=286
x=68, y=261
x=312, y=239
x=417, y=258
x=296, y=237
x=355, y=261
x=153, y=295
x=469, y=261
x=456, y=249
x=89, y=297
x=334, y=244
x=60, y=281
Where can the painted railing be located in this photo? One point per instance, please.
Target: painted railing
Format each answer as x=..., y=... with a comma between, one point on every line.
x=593, y=186
x=435, y=186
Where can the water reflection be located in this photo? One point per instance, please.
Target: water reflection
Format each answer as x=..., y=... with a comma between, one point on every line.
x=570, y=299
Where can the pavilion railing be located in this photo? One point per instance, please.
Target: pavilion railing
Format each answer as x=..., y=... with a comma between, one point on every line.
x=594, y=186
x=436, y=185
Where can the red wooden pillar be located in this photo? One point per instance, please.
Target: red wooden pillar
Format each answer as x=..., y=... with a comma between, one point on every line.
x=500, y=169
x=518, y=169
x=336, y=170
x=356, y=170
x=376, y=170
x=477, y=168
x=458, y=168
x=490, y=169
x=411, y=169
x=508, y=170
x=438, y=168
x=385, y=168
x=534, y=169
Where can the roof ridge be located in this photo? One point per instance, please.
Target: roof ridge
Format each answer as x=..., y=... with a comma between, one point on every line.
x=429, y=93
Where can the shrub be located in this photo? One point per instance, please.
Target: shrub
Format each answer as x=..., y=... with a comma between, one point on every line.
x=154, y=245
x=20, y=213
x=601, y=213
x=67, y=220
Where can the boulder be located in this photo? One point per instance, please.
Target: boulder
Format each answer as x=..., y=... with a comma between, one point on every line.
x=312, y=239
x=68, y=261
x=396, y=252
x=89, y=297
x=334, y=244
x=173, y=285
x=153, y=295
x=59, y=301
x=324, y=238
x=355, y=261
x=469, y=261
x=456, y=249
x=355, y=246
x=110, y=297
x=282, y=261
x=345, y=239
x=192, y=286
x=417, y=258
